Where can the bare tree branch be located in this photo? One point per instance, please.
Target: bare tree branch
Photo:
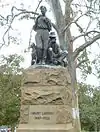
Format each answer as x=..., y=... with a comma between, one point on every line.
x=85, y=34
x=88, y=25
x=80, y=28
x=75, y=21
x=67, y=26
x=88, y=7
x=2, y=17
x=13, y=17
x=64, y=1
x=85, y=45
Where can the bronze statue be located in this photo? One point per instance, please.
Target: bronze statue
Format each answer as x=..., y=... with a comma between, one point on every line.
x=33, y=54
x=54, y=54
x=42, y=27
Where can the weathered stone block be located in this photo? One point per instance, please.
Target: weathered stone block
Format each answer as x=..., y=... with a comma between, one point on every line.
x=51, y=76
x=46, y=100
x=46, y=114
x=49, y=95
x=54, y=114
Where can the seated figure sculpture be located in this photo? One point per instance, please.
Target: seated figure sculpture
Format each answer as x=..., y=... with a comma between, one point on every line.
x=54, y=54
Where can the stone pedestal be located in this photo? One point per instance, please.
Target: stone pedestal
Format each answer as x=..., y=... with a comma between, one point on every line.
x=46, y=100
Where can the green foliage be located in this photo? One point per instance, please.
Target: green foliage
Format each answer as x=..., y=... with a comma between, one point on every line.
x=89, y=104
x=9, y=98
x=96, y=63
x=10, y=82
x=11, y=64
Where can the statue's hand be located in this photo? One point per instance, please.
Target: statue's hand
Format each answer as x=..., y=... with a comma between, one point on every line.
x=44, y=18
x=50, y=49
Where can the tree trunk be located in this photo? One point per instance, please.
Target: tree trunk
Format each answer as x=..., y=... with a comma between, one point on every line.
x=72, y=70
x=72, y=65
x=60, y=22
x=13, y=128
x=95, y=126
x=66, y=43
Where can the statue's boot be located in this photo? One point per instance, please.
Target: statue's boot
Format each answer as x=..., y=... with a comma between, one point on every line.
x=39, y=56
x=44, y=57
x=33, y=62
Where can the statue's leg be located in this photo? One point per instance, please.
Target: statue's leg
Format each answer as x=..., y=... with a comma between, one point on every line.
x=39, y=55
x=38, y=46
x=61, y=59
x=50, y=56
x=45, y=37
x=44, y=56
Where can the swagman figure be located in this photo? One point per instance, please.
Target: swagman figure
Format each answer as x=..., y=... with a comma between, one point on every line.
x=42, y=27
x=54, y=53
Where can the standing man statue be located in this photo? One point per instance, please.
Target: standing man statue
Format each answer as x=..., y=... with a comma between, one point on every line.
x=42, y=27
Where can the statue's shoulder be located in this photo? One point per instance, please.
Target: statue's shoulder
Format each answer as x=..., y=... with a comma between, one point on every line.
x=39, y=16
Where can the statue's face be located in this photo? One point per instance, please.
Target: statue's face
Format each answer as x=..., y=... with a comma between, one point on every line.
x=43, y=11
x=53, y=40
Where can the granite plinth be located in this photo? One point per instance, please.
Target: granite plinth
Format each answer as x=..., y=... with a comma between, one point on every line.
x=46, y=100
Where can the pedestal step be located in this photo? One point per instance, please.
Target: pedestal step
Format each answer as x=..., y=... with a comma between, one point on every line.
x=46, y=128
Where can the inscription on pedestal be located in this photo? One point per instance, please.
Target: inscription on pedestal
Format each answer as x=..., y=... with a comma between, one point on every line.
x=41, y=114
x=45, y=114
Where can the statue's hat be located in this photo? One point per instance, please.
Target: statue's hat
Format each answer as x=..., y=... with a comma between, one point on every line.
x=52, y=35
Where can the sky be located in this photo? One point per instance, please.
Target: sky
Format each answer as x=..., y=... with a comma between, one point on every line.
x=22, y=31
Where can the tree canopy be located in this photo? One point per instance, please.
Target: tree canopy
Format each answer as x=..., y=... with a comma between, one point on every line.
x=89, y=98
x=10, y=82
